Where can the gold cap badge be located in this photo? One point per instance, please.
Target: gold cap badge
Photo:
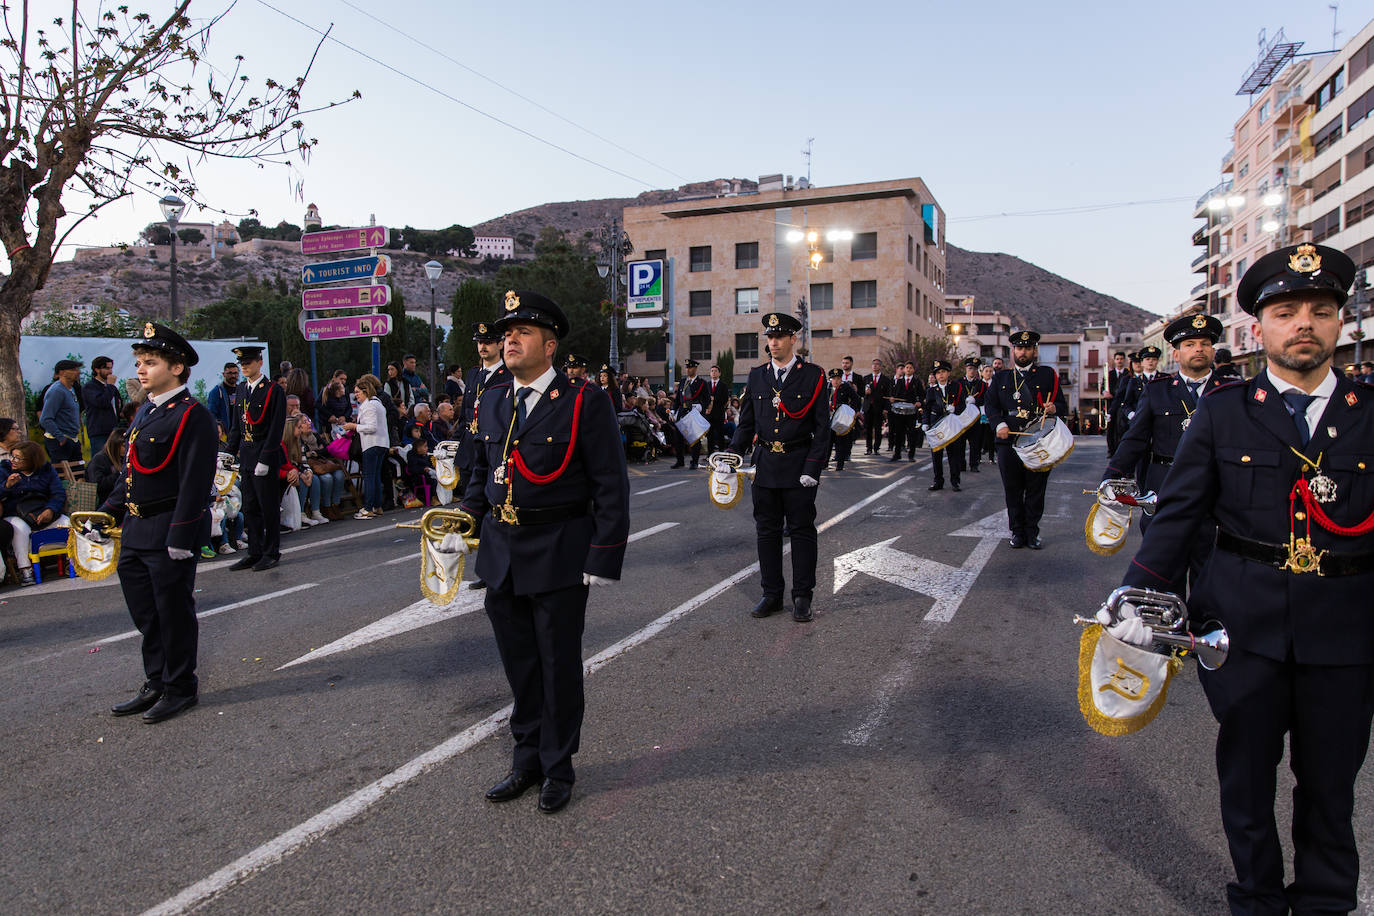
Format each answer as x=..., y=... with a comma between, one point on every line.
x=481, y=329
x=1305, y=260
x=512, y=300
x=148, y=331
x=772, y=321
x=1199, y=322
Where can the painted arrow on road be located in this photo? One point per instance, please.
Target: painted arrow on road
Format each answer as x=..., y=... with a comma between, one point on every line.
x=946, y=584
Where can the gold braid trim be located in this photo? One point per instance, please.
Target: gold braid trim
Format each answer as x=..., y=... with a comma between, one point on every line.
x=1088, y=534
x=1107, y=725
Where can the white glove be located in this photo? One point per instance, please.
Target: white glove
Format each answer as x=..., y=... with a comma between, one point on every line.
x=261, y=470
x=176, y=553
x=1131, y=415
x=589, y=579
x=949, y=408
x=808, y=481
x=454, y=543
x=1131, y=629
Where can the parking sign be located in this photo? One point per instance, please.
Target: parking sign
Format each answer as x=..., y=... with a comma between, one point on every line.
x=646, y=287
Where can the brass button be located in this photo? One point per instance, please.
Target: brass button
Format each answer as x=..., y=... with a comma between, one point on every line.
x=1360, y=465
x=1300, y=515
x=550, y=439
x=1306, y=468
x=1245, y=459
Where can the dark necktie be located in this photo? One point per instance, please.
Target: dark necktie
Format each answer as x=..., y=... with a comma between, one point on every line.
x=1297, y=405
x=781, y=373
x=1192, y=389
x=520, y=409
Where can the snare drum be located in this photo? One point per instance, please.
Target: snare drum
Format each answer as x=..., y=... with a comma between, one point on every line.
x=1044, y=444
x=842, y=421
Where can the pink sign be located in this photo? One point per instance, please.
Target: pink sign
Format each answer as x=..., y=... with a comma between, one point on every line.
x=352, y=326
x=344, y=297
x=345, y=239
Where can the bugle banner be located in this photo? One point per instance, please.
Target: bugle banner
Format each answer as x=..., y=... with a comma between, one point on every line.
x=93, y=544
x=447, y=536
x=725, y=484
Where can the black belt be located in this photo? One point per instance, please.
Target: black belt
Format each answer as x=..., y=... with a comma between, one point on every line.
x=542, y=516
x=151, y=507
x=1165, y=460
x=788, y=445
x=1276, y=555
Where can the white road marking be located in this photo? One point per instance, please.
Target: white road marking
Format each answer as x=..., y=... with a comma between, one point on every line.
x=201, y=615
x=676, y=483
x=340, y=813
x=409, y=556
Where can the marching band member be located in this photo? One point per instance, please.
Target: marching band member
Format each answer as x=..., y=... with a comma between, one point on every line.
x=1112, y=384
x=877, y=392
x=575, y=367
x=550, y=489
x=490, y=370
x=969, y=448
x=606, y=381
x=256, y=438
x=842, y=392
x=691, y=390
x=717, y=400
x=1282, y=464
x=944, y=397
x=783, y=404
x=1017, y=396
x=161, y=500
x=901, y=429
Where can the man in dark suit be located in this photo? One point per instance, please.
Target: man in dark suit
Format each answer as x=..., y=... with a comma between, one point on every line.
x=1018, y=396
x=852, y=378
x=256, y=438
x=877, y=390
x=1226, y=369
x=901, y=428
x=550, y=489
x=163, y=502
x=490, y=370
x=101, y=402
x=943, y=398
x=785, y=405
x=718, y=398
x=1111, y=387
x=691, y=390
x=969, y=447
x=843, y=394
x=1280, y=464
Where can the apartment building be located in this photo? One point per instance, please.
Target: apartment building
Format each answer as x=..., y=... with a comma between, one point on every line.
x=977, y=332
x=867, y=262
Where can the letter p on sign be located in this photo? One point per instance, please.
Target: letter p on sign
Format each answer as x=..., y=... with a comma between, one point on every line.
x=641, y=278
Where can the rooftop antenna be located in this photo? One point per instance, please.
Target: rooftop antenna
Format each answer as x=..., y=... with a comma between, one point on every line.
x=1335, y=32
x=807, y=153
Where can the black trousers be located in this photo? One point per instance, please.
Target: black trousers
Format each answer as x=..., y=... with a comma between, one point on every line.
x=160, y=593
x=937, y=463
x=261, y=511
x=873, y=429
x=1113, y=437
x=58, y=452
x=540, y=641
x=897, y=432
x=798, y=506
x=716, y=440
x=842, y=446
x=1325, y=711
x=1025, y=492
x=970, y=446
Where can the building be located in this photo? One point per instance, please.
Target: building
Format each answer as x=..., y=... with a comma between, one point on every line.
x=312, y=218
x=977, y=332
x=494, y=246
x=878, y=281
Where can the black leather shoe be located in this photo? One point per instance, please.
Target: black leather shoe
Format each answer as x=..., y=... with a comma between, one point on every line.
x=895, y=458
x=1017, y=542
x=766, y=606
x=167, y=707
x=1035, y=544
x=801, y=609
x=245, y=563
x=146, y=697
x=516, y=784
x=937, y=486
x=678, y=465
x=477, y=584
x=974, y=470
x=265, y=563
x=954, y=487
x=554, y=795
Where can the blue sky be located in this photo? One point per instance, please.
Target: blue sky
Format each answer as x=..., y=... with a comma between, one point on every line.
x=1001, y=107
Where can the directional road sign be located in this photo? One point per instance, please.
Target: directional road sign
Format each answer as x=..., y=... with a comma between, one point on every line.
x=351, y=326
x=348, y=269
x=344, y=297
x=345, y=239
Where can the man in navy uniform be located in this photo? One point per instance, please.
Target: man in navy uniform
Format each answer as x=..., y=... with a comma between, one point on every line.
x=1112, y=384
x=256, y=438
x=490, y=370
x=1017, y=397
x=550, y=489
x=1164, y=412
x=691, y=390
x=842, y=392
x=1126, y=405
x=943, y=398
x=575, y=367
x=877, y=390
x=969, y=448
x=785, y=406
x=1282, y=465
x=163, y=502
x=906, y=389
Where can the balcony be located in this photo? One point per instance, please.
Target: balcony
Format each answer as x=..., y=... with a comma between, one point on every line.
x=1200, y=237
x=1219, y=189
x=1226, y=160
x=1199, y=288
x=1197, y=261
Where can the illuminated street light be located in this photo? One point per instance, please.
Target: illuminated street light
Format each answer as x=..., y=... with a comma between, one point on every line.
x=1235, y=201
x=1270, y=225
x=1216, y=203
x=795, y=235
x=1272, y=199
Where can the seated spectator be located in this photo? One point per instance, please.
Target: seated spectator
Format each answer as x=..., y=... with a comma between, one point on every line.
x=442, y=425
x=10, y=436
x=293, y=407
x=33, y=498
x=336, y=409
x=423, y=419
x=107, y=466
x=327, y=477
x=299, y=474
x=419, y=469
x=227, y=515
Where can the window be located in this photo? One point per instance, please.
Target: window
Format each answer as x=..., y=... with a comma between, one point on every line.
x=1323, y=227
x=656, y=254
x=746, y=301
x=1240, y=271
x=1361, y=59
x=1264, y=112
x=1092, y=381
x=862, y=332
x=864, y=246
x=699, y=302
x=910, y=249
x=1326, y=135
x=822, y=296
x=1328, y=90
x=1244, y=169
x=1359, y=109
x=1359, y=208
x=747, y=346
x=657, y=351
x=1327, y=181
x=863, y=294
x=700, y=258
x=1064, y=379
x=820, y=333
x=699, y=347
x=1063, y=353
x=746, y=255
x=1359, y=159
x=910, y=296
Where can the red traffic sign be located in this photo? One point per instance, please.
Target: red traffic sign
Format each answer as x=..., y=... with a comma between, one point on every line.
x=345, y=297
x=340, y=328
x=345, y=239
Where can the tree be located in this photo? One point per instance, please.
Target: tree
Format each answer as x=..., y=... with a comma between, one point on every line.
x=473, y=301
x=726, y=362
x=156, y=234
x=923, y=351
x=190, y=236
x=104, y=103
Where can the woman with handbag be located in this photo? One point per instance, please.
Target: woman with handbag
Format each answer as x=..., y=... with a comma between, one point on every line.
x=327, y=479
x=371, y=430
x=33, y=498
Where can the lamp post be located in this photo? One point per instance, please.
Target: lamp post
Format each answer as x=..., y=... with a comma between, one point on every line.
x=615, y=245
x=432, y=270
x=172, y=208
x=814, y=259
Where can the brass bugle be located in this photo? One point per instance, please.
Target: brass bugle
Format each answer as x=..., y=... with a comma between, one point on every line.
x=1167, y=617
x=1123, y=491
x=438, y=522
x=103, y=521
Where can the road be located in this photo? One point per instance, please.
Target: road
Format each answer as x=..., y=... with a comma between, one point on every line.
x=915, y=749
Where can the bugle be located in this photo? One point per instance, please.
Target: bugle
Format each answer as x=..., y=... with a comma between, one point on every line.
x=442, y=557
x=1166, y=615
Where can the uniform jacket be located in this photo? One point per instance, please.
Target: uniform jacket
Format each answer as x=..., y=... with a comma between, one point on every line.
x=806, y=440
x=1114, y=380
x=860, y=383
x=846, y=394
x=1237, y=465
x=1039, y=386
x=261, y=415
x=1156, y=429
x=1228, y=371
x=936, y=400
x=875, y=394
x=691, y=391
x=617, y=400
x=467, y=410
x=908, y=389
x=544, y=557
x=1124, y=404
x=174, y=446
x=975, y=388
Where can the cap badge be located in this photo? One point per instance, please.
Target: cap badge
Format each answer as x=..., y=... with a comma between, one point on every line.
x=1305, y=260
x=772, y=321
x=512, y=300
x=1199, y=322
x=148, y=332
x=481, y=329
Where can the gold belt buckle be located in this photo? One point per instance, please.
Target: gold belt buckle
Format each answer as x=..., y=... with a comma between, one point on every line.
x=509, y=514
x=133, y=507
x=1303, y=557
x=247, y=436
x=776, y=446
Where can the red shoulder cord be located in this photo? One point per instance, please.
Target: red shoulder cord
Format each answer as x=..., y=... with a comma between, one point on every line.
x=1314, y=510
x=133, y=455
x=807, y=409
x=265, y=401
x=518, y=462
x=1040, y=397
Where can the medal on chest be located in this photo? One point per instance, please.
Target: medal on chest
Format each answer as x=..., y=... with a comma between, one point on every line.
x=498, y=474
x=1023, y=414
x=777, y=400
x=1323, y=488
x=472, y=427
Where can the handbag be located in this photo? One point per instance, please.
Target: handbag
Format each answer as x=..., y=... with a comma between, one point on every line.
x=338, y=449
x=322, y=466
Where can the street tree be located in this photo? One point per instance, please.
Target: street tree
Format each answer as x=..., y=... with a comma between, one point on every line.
x=190, y=236
x=105, y=102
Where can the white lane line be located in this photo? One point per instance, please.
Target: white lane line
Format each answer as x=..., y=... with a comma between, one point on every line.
x=891, y=685
x=676, y=483
x=409, y=556
x=421, y=614
x=340, y=813
x=201, y=615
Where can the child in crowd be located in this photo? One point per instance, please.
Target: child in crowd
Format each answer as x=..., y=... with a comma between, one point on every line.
x=420, y=475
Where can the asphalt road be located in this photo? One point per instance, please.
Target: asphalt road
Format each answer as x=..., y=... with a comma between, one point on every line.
x=910, y=751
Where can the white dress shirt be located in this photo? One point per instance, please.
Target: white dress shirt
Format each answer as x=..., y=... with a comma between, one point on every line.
x=539, y=386
x=1321, y=394
x=160, y=399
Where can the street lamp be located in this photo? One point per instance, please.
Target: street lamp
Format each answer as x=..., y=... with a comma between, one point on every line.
x=172, y=208
x=815, y=257
x=432, y=270
x=614, y=246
